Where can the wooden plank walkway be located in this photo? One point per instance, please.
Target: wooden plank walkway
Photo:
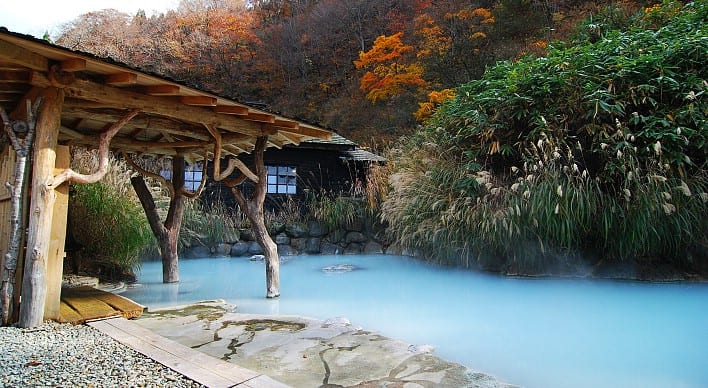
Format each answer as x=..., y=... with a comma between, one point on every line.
x=200, y=367
x=81, y=304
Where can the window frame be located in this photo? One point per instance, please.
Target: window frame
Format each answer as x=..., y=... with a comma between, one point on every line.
x=282, y=180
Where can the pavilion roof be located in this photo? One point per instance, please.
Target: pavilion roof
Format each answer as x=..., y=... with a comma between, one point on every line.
x=174, y=117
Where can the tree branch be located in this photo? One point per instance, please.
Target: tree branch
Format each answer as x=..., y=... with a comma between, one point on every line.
x=70, y=175
x=233, y=162
x=149, y=174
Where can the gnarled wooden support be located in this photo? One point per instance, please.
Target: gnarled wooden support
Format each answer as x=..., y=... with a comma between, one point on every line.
x=104, y=143
x=164, y=182
x=253, y=208
x=22, y=149
x=167, y=232
x=233, y=162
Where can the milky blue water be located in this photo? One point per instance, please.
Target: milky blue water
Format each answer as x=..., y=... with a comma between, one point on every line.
x=534, y=333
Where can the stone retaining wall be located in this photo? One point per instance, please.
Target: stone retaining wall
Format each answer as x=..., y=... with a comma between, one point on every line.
x=296, y=239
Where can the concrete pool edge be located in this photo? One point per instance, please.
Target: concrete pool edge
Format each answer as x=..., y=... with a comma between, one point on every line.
x=303, y=351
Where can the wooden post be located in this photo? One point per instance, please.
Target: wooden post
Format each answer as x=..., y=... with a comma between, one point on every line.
x=34, y=282
x=253, y=208
x=55, y=258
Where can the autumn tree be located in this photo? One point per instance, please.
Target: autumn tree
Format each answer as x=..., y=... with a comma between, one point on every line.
x=104, y=33
x=388, y=70
x=453, y=44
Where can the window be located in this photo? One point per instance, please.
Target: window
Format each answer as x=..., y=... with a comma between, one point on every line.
x=193, y=176
x=281, y=180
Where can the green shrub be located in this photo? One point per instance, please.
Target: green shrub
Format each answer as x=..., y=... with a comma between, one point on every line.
x=600, y=147
x=107, y=220
x=209, y=226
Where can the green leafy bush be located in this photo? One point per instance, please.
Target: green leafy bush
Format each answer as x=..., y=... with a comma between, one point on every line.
x=107, y=220
x=600, y=146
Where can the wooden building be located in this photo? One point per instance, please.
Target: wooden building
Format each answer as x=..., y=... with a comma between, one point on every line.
x=90, y=101
x=336, y=166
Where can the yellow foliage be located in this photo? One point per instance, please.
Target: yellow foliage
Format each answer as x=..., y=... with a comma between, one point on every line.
x=435, y=98
x=385, y=49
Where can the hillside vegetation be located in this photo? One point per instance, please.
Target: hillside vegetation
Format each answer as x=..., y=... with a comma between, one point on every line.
x=597, y=150
x=297, y=57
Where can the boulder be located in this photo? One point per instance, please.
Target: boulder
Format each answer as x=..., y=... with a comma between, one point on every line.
x=282, y=239
x=296, y=230
x=372, y=247
x=286, y=250
x=222, y=249
x=255, y=249
x=312, y=245
x=337, y=236
x=330, y=249
x=353, y=249
x=298, y=244
x=197, y=252
x=394, y=250
x=240, y=249
x=317, y=229
x=355, y=237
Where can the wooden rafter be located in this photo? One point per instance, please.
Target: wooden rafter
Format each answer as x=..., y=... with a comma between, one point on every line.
x=120, y=98
x=21, y=56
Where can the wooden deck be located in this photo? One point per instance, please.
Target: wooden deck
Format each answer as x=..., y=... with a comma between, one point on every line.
x=81, y=304
x=193, y=364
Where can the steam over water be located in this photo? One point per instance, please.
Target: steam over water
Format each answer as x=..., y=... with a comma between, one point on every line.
x=534, y=333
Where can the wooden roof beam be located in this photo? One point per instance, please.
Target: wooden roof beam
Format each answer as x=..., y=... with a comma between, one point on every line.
x=125, y=99
x=309, y=131
x=286, y=124
x=141, y=122
x=231, y=110
x=14, y=76
x=260, y=117
x=162, y=90
x=73, y=65
x=198, y=100
x=19, y=55
x=292, y=138
x=125, y=78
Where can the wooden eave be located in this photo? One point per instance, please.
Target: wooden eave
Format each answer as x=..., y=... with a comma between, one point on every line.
x=98, y=92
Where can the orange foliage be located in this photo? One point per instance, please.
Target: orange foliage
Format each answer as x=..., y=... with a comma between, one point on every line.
x=386, y=76
x=435, y=98
x=385, y=49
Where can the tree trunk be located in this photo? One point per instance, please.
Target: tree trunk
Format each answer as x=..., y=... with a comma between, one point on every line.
x=272, y=260
x=254, y=211
x=10, y=265
x=167, y=233
x=17, y=188
x=34, y=290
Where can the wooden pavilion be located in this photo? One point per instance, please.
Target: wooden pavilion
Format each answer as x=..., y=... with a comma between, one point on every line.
x=89, y=101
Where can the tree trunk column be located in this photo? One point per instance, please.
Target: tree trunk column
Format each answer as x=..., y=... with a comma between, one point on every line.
x=272, y=263
x=34, y=282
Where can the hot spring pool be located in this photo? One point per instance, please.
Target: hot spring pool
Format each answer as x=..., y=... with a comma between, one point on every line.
x=534, y=333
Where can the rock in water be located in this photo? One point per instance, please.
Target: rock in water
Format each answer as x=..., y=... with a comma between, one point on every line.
x=339, y=268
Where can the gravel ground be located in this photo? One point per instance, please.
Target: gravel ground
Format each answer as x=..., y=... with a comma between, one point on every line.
x=62, y=355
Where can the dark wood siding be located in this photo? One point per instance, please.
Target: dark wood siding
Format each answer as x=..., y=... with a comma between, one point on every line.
x=318, y=170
